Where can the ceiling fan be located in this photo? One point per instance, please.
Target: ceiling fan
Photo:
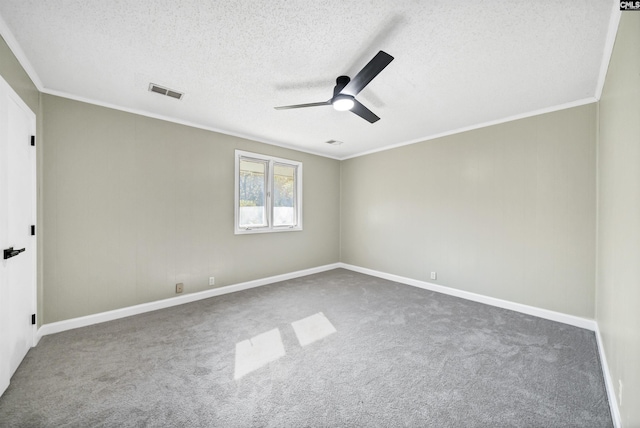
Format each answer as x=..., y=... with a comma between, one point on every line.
x=346, y=89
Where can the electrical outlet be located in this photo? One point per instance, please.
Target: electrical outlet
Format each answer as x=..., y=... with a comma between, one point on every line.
x=179, y=288
x=212, y=280
x=434, y=275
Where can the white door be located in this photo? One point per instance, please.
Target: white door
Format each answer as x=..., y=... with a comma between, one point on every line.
x=17, y=215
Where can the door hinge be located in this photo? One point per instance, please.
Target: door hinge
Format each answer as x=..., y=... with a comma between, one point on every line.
x=33, y=140
x=33, y=230
x=33, y=319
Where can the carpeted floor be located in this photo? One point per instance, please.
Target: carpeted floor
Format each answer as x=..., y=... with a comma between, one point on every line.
x=336, y=349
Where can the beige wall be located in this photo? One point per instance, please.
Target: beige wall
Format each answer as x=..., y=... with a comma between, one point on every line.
x=618, y=279
x=14, y=74
x=506, y=211
x=135, y=205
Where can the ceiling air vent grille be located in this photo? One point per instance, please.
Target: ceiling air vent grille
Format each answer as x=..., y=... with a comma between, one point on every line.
x=165, y=91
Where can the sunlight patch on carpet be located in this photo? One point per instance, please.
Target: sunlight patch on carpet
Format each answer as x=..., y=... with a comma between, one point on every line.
x=312, y=328
x=260, y=350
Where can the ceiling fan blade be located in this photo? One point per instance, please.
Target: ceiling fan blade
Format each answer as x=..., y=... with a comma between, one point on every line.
x=324, y=103
x=366, y=75
x=364, y=112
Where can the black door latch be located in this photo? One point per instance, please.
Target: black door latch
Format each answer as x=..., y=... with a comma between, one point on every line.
x=10, y=252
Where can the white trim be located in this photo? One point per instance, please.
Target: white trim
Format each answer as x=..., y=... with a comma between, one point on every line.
x=4, y=85
x=13, y=44
x=22, y=59
x=270, y=161
x=145, y=113
x=588, y=324
x=88, y=320
x=538, y=112
x=8, y=37
x=14, y=96
x=70, y=324
x=183, y=122
x=614, y=22
x=492, y=301
x=608, y=382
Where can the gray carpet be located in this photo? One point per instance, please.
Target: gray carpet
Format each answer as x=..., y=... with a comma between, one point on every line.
x=337, y=349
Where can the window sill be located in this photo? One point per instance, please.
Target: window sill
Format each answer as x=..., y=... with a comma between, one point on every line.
x=268, y=230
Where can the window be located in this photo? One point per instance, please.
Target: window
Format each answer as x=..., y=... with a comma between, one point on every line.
x=268, y=194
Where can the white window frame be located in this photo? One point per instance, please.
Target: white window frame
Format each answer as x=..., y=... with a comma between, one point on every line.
x=271, y=161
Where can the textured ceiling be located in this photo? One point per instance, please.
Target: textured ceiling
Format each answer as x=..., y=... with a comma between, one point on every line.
x=458, y=64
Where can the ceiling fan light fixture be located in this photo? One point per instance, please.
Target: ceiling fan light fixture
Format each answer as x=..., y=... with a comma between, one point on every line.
x=343, y=103
x=346, y=89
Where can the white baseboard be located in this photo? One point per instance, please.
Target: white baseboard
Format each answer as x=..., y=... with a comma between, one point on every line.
x=505, y=304
x=608, y=381
x=518, y=307
x=73, y=323
x=70, y=324
x=588, y=324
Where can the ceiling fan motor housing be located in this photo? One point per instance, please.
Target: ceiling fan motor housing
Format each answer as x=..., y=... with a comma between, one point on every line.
x=341, y=82
x=346, y=89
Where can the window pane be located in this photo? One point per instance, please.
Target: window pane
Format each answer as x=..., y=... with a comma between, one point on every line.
x=284, y=195
x=253, y=182
x=268, y=194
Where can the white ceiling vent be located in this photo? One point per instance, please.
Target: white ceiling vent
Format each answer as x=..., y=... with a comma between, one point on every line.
x=334, y=142
x=165, y=91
